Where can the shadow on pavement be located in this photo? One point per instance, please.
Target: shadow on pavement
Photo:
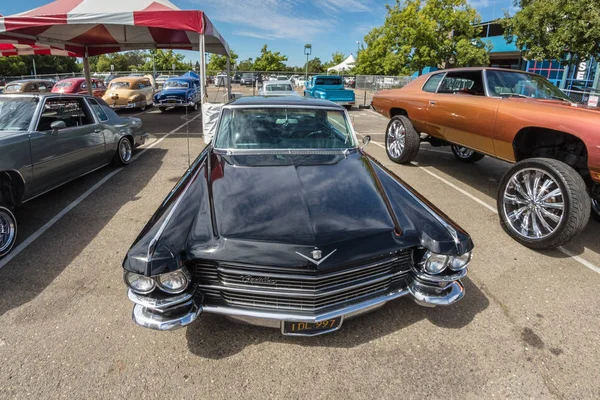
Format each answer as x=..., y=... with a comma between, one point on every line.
x=485, y=175
x=30, y=273
x=392, y=317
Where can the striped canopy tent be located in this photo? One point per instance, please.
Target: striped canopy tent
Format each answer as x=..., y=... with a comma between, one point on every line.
x=10, y=49
x=92, y=27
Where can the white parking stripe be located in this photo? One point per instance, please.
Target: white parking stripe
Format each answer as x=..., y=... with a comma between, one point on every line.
x=81, y=198
x=575, y=257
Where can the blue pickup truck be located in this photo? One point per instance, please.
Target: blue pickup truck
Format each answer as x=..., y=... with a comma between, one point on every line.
x=329, y=87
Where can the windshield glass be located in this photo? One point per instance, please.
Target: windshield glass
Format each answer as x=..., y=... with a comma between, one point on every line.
x=176, y=84
x=16, y=114
x=283, y=128
x=280, y=87
x=119, y=85
x=518, y=84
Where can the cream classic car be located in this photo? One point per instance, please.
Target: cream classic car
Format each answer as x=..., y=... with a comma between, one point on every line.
x=130, y=92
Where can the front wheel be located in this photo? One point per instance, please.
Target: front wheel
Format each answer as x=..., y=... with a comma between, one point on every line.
x=124, y=152
x=402, y=141
x=195, y=107
x=8, y=231
x=596, y=209
x=465, y=154
x=543, y=203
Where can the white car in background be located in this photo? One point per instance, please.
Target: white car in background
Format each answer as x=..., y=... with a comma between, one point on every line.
x=277, y=88
x=160, y=80
x=299, y=82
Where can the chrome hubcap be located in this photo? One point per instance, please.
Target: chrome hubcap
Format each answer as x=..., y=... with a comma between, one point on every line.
x=534, y=204
x=396, y=138
x=463, y=152
x=7, y=230
x=125, y=150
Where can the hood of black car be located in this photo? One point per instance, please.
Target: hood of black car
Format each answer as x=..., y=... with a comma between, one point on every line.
x=308, y=200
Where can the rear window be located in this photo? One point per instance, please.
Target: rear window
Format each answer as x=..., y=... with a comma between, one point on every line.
x=280, y=87
x=328, y=81
x=63, y=85
x=119, y=85
x=16, y=87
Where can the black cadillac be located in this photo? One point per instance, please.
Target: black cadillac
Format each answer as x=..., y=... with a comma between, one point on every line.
x=284, y=221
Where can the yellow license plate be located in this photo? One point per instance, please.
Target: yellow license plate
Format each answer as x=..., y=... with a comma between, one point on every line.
x=311, y=328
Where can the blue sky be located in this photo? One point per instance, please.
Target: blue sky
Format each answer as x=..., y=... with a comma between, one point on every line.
x=286, y=25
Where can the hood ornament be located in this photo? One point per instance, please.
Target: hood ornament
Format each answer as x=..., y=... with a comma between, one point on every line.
x=317, y=256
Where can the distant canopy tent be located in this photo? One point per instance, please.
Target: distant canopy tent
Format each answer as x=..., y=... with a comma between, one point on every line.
x=91, y=27
x=345, y=65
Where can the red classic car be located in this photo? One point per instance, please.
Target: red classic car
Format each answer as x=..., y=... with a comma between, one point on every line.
x=78, y=86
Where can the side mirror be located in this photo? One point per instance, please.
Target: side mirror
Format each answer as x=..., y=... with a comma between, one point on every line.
x=57, y=125
x=366, y=140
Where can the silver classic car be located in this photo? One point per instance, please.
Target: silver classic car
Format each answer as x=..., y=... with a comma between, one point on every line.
x=47, y=140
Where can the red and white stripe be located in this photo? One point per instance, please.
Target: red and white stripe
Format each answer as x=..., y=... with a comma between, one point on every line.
x=11, y=49
x=111, y=25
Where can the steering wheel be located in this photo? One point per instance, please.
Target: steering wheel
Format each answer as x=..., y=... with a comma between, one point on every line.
x=319, y=135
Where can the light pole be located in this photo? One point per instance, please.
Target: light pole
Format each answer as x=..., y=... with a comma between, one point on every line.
x=357, y=47
x=308, y=52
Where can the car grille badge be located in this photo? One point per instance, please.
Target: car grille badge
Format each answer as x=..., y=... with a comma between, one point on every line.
x=317, y=256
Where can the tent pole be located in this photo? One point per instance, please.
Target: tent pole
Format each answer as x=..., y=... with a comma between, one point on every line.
x=228, y=78
x=86, y=72
x=203, y=80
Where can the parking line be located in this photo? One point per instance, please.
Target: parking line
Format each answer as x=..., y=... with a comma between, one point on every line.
x=81, y=198
x=575, y=257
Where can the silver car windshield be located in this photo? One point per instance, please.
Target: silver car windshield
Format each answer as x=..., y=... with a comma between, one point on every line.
x=283, y=128
x=16, y=113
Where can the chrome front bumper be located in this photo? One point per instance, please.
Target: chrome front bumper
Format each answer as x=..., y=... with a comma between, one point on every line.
x=179, y=103
x=126, y=106
x=179, y=311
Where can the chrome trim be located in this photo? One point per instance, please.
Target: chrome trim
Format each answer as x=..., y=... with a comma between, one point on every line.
x=159, y=304
x=234, y=152
x=142, y=317
x=440, y=278
x=300, y=295
x=434, y=295
x=317, y=263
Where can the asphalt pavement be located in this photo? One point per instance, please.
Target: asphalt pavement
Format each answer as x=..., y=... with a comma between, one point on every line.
x=527, y=327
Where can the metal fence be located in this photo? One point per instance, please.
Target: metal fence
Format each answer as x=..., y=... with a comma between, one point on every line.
x=583, y=96
x=373, y=83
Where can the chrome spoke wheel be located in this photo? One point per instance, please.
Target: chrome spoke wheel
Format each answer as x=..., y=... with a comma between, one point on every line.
x=533, y=203
x=8, y=230
x=463, y=152
x=396, y=139
x=125, y=150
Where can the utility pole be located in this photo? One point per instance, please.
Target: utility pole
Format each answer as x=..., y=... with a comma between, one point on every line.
x=308, y=52
x=34, y=69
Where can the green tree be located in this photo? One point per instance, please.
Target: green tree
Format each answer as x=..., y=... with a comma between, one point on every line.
x=270, y=61
x=314, y=66
x=421, y=33
x=336, y=58
x=23, y=65
x=547, y=29
x=164, y=60
x=245, y=65
x=218, y=63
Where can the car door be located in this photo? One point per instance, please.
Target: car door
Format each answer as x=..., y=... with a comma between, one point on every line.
x=64, y=154
x=461, y=112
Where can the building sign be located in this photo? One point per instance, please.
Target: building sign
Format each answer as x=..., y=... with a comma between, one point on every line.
x=582, y=68
x=593, y=101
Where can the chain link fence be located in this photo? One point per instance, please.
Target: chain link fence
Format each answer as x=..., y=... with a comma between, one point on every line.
x=588, y=96
x=367, y=85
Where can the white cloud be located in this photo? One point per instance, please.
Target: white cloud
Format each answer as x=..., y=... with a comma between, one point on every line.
x=339, y=6
x=479, y=4
x=269, y=19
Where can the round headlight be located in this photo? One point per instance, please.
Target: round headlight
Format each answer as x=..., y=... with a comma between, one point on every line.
x=460, y=262
x=139, y=283
x=173, y=282
x=435, y=263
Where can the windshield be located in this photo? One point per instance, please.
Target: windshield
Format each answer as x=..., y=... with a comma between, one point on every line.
x=518, y=84
x=176, y=84
x=16, y=114
x=280, y=87
x=119, y=85
x=283, y=128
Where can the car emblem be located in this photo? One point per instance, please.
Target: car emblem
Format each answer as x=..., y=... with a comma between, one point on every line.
x=316, y=256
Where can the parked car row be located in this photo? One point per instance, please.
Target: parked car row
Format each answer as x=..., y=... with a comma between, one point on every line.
x=546, y=198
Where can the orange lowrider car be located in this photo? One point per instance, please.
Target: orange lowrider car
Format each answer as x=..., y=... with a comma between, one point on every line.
x=544, y=199
x=130, y=92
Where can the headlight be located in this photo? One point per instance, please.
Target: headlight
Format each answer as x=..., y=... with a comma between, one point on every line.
x=139, y=283
x=173, y=282
x=460, y=262
x=435, y=263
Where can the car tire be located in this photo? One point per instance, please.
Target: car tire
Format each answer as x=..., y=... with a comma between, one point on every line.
x=348, y=107
x=8, y=231
x=465, y=154
x=402, y=141
x=195, y=107
x=596, y=209
x=162, y=109
x=124, y=154
x=543, y=203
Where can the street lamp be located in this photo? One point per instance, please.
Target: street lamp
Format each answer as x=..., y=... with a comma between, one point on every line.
x=357, y=47
x=308, y=52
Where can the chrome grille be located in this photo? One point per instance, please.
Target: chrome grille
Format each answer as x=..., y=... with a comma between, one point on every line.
x=304, y=290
